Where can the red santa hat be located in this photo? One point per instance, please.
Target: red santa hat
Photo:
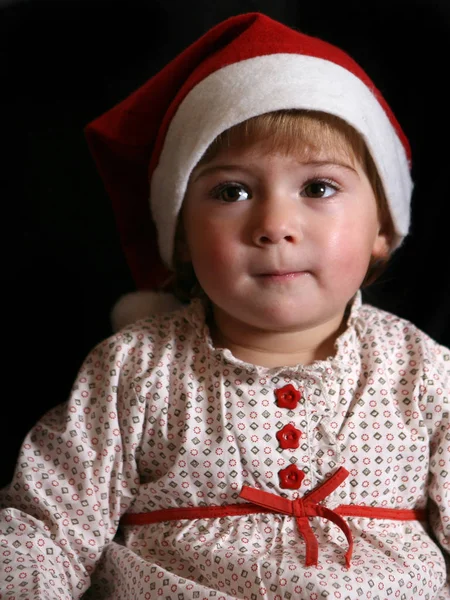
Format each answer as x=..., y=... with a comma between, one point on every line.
x=146, y=147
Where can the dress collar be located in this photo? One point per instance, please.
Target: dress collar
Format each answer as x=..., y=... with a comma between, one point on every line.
x=347, y=345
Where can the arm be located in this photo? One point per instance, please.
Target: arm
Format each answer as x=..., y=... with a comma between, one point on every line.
x=75, y=476
x=438, y=410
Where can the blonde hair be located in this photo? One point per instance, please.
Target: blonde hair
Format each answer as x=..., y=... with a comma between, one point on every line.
x=304, y=133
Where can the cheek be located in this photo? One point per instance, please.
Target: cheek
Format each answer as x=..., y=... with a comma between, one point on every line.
x=349, y=249
x=211, y=250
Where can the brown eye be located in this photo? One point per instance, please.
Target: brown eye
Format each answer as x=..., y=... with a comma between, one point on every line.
x=319, y=189
x=231, y=193
x=316, y=190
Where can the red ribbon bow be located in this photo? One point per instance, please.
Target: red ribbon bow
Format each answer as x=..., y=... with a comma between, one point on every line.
x=306, y=507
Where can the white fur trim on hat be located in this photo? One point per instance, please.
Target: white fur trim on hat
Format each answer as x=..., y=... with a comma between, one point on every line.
x=140, y=305
x=263, y=84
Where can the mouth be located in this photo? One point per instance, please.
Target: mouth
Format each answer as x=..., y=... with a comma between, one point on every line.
x=282, y=275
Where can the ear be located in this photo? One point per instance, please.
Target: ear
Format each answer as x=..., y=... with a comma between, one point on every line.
x=381, y=247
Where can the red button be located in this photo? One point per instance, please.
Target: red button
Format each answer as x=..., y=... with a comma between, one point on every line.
x=291, y=478
x=288, y=437
x=287, y=397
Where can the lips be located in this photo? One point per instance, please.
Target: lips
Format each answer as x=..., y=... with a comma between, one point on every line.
x=282, y=273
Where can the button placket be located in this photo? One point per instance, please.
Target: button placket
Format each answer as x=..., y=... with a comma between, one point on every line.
x=289, y=437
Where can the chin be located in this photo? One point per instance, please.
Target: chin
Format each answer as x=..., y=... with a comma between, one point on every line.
x=272, y=319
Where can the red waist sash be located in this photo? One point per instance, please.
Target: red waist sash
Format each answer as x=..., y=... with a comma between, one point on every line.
x=301, y=509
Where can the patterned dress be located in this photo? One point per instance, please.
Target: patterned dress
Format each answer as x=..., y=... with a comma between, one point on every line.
x=160, y=419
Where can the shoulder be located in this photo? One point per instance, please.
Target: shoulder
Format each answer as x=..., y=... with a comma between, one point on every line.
x=397, y=334
x=148, y=347
x=155, y=334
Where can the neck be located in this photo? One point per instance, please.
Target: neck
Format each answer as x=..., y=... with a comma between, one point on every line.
x=276, y=348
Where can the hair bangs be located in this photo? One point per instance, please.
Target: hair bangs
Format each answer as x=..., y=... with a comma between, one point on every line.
x=308, y=134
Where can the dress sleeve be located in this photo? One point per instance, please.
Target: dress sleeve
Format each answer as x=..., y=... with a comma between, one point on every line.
x=437, y=385
x=75, y=476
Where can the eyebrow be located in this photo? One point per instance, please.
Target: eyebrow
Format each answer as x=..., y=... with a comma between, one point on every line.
x=313, y=163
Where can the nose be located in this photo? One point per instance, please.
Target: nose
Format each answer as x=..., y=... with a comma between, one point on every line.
x=275, y=222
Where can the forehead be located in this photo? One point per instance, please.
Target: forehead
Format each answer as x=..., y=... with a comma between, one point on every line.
x=298, y=153
x=307, y=136
x=260, y=157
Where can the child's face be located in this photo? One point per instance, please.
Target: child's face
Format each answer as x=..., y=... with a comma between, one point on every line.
x=277, y=243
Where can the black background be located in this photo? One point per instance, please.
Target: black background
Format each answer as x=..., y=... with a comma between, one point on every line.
x=65, y=62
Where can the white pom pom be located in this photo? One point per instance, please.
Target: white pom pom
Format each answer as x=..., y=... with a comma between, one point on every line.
x=139, y=305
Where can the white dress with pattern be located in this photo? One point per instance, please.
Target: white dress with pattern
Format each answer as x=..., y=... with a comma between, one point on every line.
x=159, y=418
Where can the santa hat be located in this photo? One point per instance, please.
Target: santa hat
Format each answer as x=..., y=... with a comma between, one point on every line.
x=146, y=147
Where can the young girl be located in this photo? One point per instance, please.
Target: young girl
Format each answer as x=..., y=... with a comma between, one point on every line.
x=273, y=437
